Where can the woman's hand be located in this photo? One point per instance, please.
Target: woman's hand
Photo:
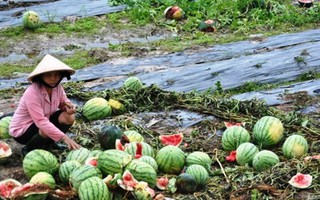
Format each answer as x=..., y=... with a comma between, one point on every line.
x=71, y=144
x=69, y=108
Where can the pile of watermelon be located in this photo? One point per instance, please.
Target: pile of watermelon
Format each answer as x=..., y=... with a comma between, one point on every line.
x=256, y=150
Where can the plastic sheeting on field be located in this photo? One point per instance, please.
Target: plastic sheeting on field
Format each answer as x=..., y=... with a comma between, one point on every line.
x=57, y=10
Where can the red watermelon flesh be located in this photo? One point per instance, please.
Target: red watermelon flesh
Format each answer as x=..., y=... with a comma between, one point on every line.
x=173, y=139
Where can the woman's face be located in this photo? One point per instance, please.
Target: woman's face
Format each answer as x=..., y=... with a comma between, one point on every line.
x=51, y=78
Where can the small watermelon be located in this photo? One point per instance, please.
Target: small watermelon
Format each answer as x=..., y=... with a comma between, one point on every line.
x=108, y=135
x=245, y=153
x=4, y=127
x=174, y=12
x=132, y=83
x=66, y=168
x=233, y=136
x=96, y=108
x=134, y=136
x=295, y=146
x=43, y=178
x=199, y=173
x=186, y=183
x=268, y=131
x=31, y=20
x=264, y=160
x=40, y=160
x=117, y=107
x=170, y=159
x=200, y=158
x=93, y=188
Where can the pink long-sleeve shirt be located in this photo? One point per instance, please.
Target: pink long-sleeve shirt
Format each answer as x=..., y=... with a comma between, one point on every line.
x=36, y=107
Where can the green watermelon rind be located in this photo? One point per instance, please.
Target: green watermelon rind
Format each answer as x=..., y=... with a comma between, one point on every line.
x=66, y=168
x=147, y=150
x=79, y=155
x=27, y=18
x=133, y=83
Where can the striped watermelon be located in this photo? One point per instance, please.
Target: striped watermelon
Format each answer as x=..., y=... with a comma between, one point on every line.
x=268, y=131
x=200, y=158
x=82, y=173
x=43, y=178
x=66, y=168
x=134, y=136
x=113, y=161
x=245, y=153
x=149, y=160
x=142, y=171
x=233, y=136
x=79, y=155
x=295, y=146
x=264, y=160
x=132, y=83
x=4, y=127
x=170, y=159
x=39, y=160
x=199, y=173
x=96, y=108
x=147, y=150
x=93, y=188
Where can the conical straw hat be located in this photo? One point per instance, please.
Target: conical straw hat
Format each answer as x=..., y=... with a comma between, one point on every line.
x=50, y=64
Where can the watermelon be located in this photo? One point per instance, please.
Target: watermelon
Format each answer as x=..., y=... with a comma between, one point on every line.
x=93, y=188
x=79, y=155
x=113, y=161
x=149, y=160
x=5, y=152
x=142, y=172
x=40, y=160
x=4, y=127
x=268, y=131
x=31, y=20
x=233, y=136
x=162, y=182
x=295, y=146
x=96, y=108
x=170, y=159
x=199, y=173
x=186, y=183
x=6, y=186
x=174, y=12
x=173, y=139
x=301, y=181
x=208, y=26
x=108, y=135
x=132, y=83
x=200, y=158
x=264, y=160
x=133, y=136
x=43, y=178
x=30, y=191
x=82, y=173
x=66, y=168
x=245, y=153
x=117, y=107
x=147, y=150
